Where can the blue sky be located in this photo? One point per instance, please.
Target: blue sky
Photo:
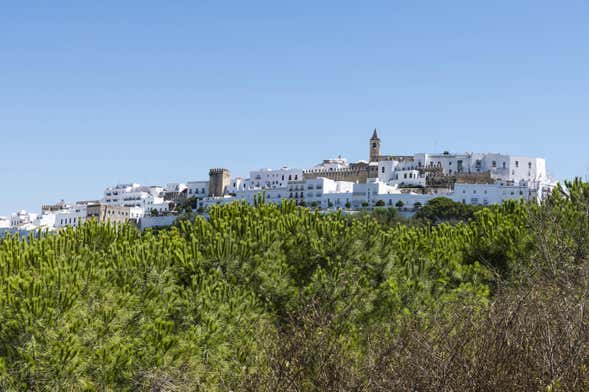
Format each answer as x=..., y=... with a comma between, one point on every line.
x=96, y=93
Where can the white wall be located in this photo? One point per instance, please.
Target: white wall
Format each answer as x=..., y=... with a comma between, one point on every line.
x=486, y=194
x=75, y=216
x=272, y=178
x=4, y=222
x=410, y=178
x=197, y=188
x=135, y=195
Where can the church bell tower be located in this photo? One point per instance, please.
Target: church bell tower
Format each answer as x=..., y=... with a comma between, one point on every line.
x=374, y=147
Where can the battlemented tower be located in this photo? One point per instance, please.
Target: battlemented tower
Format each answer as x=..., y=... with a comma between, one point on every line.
x=219, y=180
x=374, y=147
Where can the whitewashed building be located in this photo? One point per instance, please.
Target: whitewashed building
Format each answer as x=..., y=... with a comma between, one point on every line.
x=45, y=221
x=4, y=222
x=486, y=194
x=134, y=195
x=272, y=178
x=500, y=166
x=21, y=218
x=408, y=178
x=74, y=216
x=197, y=189
x=237, y=184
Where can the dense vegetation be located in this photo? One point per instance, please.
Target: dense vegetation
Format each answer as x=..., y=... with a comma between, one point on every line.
x=281, y=298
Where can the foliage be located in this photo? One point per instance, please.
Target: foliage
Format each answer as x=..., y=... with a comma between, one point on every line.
x=443, y=209
x=278, y=297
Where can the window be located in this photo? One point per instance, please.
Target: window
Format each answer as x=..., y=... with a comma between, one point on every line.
x=529, y=165
x=504, y=165
x=494, y=163
x=383, y=169
x=516, y=163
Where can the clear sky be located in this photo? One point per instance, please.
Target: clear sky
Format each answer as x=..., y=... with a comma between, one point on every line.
x=103, y=92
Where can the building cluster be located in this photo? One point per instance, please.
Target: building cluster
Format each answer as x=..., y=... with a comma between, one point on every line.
x=405, y=182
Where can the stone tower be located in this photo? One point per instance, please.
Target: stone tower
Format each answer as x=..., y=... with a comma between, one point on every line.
x=219, y=180
x=374, y=147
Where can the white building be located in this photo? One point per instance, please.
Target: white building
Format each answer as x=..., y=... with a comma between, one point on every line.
x=45, y=221
x=21, y=218
x=74, y=216
x=217, y=200
x=272, y=178
x=198, y=189
x=332, y=164
x=269, y=195
x=4, y=222
x=237, y=184
x=408, y=178
x=323, y=192
x=500, y=166
x=134, y=195
x=175, y=187
x=486, y=194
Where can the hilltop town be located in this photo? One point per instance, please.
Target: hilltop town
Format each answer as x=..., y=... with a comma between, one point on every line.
x=403, y=182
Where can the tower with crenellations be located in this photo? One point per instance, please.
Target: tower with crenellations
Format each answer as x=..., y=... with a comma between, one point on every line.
x=219, y=180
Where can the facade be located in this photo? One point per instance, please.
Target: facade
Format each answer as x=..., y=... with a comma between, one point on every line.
x=22, y=218
x=4, y=222
x=175, y=191
x=46, y=221
x=408, y=178
x=272, y=179
x=62, y=205
x=486, y=194
x=74, y=216
x=499, y=166
x=270, y=195
x=113, y=214
x=149, y=198
x=237, y=184
x=197, y=189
